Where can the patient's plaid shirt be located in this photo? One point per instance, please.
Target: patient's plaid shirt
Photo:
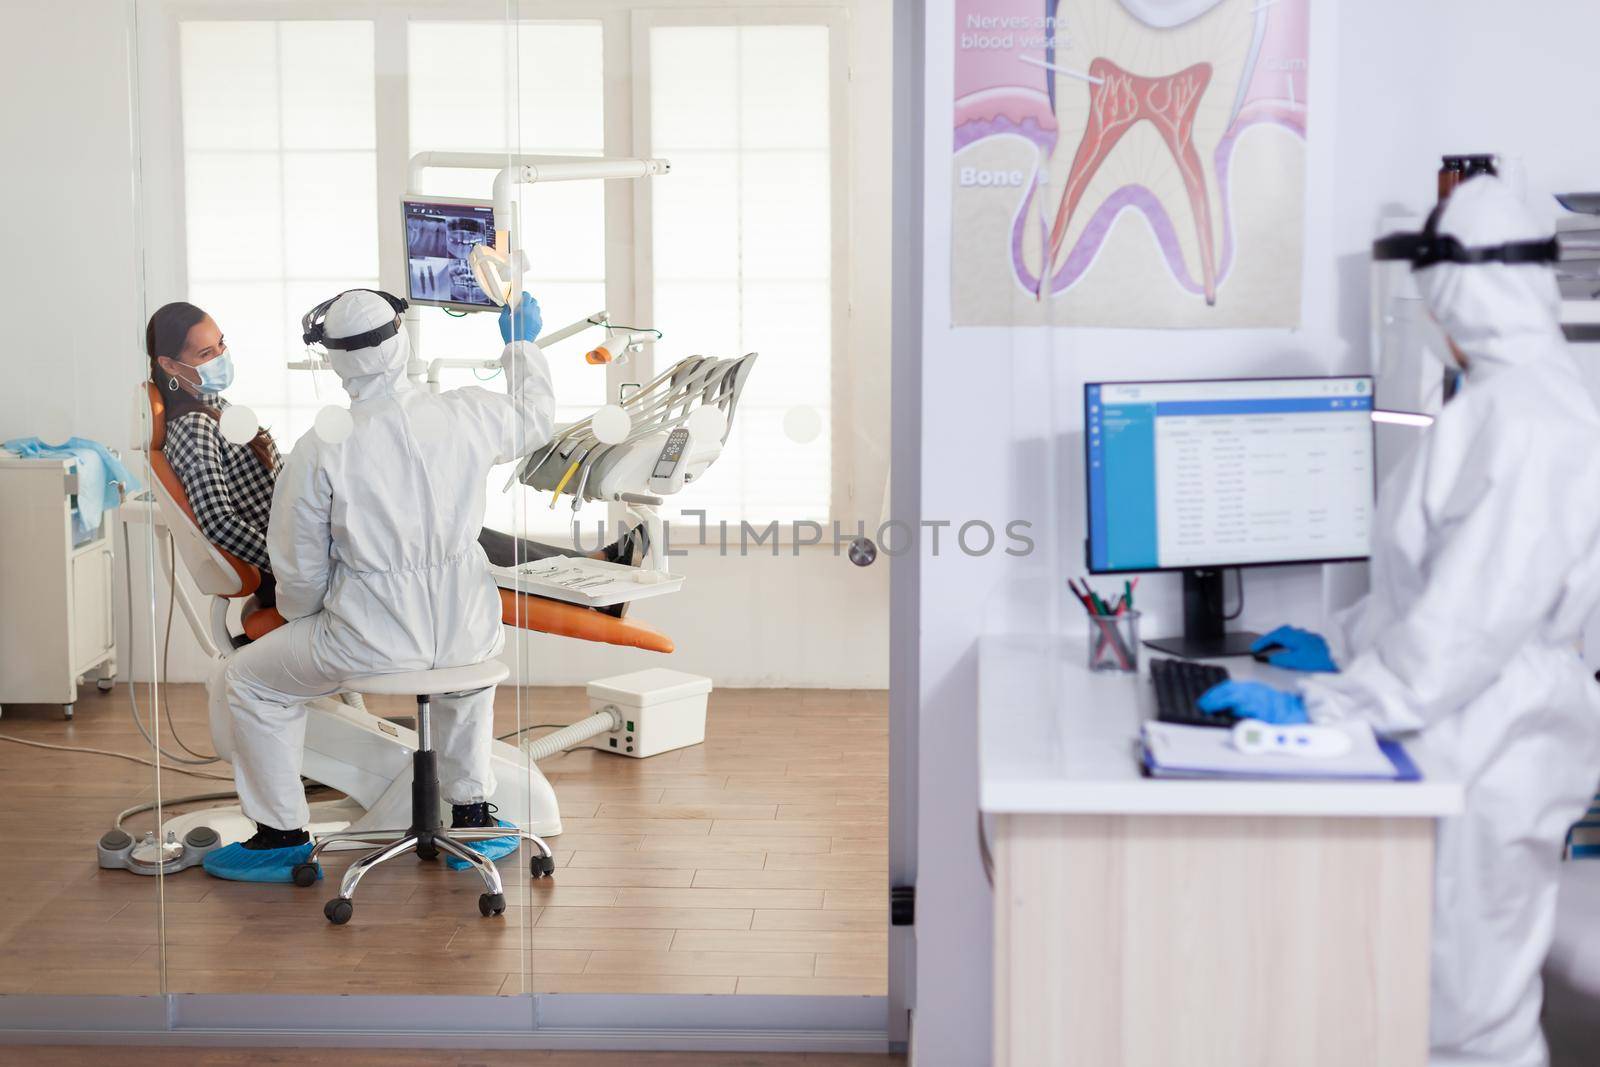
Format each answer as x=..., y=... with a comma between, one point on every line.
x=229, y=489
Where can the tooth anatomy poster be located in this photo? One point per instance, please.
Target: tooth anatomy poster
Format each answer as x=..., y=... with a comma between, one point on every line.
x=1129, y=163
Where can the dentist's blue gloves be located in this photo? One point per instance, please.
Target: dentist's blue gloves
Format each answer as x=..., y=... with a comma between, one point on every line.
x=521, y=323
x=1298, y=650
x=1252, y=700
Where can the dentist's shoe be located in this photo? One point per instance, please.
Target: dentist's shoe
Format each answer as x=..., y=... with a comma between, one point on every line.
x=270, y=856
x=471, y=817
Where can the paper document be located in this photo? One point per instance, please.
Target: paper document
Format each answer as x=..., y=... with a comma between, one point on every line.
x=1173, y=751
x=580, y=580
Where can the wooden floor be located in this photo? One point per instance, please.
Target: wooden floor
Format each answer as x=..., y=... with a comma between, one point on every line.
x=62, y=1056
x=754, y=863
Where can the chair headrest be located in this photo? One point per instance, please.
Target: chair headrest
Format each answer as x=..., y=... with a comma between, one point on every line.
x=150, y=417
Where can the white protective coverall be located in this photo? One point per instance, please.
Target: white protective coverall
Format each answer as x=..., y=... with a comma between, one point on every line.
x=374, y=546
x=1485, y=566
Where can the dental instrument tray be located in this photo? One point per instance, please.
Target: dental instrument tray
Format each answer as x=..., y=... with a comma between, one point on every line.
x=592, y=583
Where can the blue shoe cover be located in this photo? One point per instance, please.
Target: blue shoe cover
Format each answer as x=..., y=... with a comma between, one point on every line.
x=239, y=864
x=493, y=849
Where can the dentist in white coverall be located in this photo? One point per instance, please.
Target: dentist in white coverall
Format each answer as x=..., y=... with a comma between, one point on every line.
x=1485, y=567
x=374, y=546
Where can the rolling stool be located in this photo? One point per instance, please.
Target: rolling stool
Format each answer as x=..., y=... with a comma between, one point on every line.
x=427, y=836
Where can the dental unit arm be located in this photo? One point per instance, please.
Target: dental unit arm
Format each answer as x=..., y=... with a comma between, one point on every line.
x=436, y=367
x=511, y=171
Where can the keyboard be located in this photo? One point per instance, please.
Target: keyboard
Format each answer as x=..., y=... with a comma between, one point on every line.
x=1179, y=683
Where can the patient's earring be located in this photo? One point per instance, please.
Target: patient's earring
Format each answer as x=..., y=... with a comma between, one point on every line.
x=172, y=383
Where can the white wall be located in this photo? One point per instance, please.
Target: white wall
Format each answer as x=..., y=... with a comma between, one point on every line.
x=812, y=620
x=68, y=186
x=68, y=181
x=1392, y=88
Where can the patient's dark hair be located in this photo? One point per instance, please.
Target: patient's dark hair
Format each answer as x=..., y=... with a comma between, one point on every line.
x=165, y=335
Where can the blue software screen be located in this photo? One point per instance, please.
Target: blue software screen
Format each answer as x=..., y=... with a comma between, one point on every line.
x=1192, y=474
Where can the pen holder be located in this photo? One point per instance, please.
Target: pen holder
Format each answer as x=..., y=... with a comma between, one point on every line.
x=1114, y=643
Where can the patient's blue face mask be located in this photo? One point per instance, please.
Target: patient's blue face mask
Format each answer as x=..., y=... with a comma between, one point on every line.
x=215, y=374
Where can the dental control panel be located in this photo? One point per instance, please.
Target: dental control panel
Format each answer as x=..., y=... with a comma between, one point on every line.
x=667, y=475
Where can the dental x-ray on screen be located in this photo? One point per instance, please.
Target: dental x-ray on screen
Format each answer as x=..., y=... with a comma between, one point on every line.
x=440, y=233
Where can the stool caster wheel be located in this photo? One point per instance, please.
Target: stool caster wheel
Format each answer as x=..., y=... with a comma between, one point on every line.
x=338, y=910
x=543, y=866
x=305, y=874
x=492, y=903
x=426, y=853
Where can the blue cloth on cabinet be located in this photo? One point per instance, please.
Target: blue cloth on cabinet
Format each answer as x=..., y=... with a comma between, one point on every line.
x=100, y=474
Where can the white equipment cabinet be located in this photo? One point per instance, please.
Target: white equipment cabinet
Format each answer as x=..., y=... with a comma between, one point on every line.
x=55, y=597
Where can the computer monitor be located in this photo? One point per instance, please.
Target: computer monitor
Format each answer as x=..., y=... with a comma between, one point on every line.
x=1202, y=475
x=440, y=233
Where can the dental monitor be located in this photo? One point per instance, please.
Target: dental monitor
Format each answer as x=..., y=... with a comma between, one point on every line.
x=1202, y=475
x=440, y=234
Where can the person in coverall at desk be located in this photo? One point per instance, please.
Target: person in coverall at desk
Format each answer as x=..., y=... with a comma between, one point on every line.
x=1485, y=566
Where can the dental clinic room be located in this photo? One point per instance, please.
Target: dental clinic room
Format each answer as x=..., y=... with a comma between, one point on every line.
x=762, y=533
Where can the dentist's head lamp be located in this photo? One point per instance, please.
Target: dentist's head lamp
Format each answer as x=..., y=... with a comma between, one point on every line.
x=1430, y=247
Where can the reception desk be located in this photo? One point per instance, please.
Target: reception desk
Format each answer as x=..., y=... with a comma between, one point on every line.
x=1151, y=923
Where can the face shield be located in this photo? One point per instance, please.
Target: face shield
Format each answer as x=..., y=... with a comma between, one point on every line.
x=362, y=332
x=313, y=325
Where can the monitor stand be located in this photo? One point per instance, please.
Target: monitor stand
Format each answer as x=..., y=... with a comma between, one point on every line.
x=1205, y=633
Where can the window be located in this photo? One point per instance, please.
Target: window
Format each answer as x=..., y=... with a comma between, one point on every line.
x=282, y=142
x=280, y=192
x=743, y=239
x=558, y=110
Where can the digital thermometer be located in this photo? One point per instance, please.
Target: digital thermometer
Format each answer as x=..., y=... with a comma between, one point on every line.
x=1256, y=738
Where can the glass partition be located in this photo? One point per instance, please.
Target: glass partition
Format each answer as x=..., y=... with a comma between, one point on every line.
x=80, y=898
x=680, y=193
x=276, y=159
x=731, y=836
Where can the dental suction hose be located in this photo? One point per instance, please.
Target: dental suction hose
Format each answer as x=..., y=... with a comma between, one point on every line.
x=605, y=721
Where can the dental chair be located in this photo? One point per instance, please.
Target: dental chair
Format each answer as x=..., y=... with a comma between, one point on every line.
x=369, y=759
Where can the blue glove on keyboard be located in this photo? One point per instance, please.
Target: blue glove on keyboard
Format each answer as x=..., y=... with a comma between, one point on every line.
x=1298, y=650
x=1252, y=700
x=521, y=323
